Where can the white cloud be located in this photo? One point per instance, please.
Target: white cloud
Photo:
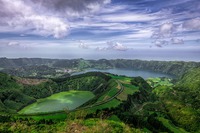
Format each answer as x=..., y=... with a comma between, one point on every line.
x=167, y=33
x=192, y=24
x=23, y=18
x=160, y=43
x=101, y=48
x=83, y=45
x=44, y=17
x=128, y=17
x=119, y=46
x=113, y=9
x=113, y=46
x=166, y=29
x=47, y=26
x=177, y=41
x=13, y=44
x=140, y=34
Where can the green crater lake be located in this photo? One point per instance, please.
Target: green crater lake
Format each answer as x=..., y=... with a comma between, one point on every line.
x=59, y=101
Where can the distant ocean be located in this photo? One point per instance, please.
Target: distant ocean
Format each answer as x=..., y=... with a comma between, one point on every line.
x=158, y=54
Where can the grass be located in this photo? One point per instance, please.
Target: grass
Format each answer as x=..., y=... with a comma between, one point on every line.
x=56, y=117
x=111, y=104
x=94, y=125
x=110, y=92
x=121, y=78
x=128, y=90
x=170, y=126
x=60, y=101
x=154, y=82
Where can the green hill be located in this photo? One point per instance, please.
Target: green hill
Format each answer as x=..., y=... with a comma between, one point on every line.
x=124, y=104
x=15, y=93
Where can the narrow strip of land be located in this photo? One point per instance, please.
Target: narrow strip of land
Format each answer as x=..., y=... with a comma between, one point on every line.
x=104, y=101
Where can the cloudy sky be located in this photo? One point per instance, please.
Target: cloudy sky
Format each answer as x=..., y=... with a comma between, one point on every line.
x=94, y=29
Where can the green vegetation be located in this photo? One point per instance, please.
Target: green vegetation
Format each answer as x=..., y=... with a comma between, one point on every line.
x=60, y=101
x=53, y=68
x=182, y=100
x=190, y=80
x=16, y=94
x=69, y=126
x=155, y=82
x=108, y=105
x=170, y=126
x=121, y=104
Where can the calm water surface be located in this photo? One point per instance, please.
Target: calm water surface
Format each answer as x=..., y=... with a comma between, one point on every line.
x=127, y=72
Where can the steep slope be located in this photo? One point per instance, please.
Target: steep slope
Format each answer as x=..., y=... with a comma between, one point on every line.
x=165, y=108
x=11, y=96
x=183, y=102
x=15, y=92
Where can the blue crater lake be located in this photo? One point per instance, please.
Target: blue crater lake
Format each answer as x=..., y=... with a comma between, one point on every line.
x=127, y=72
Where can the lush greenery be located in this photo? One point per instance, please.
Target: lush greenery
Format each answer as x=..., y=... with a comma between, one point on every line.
x=165, y=107
x=93, y=125
x=121, y=104
x=16, y=94
x=64, y=100
x=11, y=97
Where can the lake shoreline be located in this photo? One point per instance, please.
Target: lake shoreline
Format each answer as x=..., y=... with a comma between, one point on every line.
x=127, y=72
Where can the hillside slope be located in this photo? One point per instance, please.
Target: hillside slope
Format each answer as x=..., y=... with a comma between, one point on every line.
x=15, y=92
x=42, y=67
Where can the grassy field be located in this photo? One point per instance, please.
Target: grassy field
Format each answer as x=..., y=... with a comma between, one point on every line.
x=123, y=79
x=128, y=90
x=64, y=100
x=111, y=104
x=154, y=82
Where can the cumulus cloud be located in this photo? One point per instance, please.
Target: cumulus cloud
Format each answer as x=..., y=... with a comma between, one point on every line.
x=44, y=17
x=113, y=46
x=192, y=24
x=167, y=35
x=18, y=16
x=177, y=41
x=160, y=43
x=116, y=46
x=165, y=30
x=83, y=45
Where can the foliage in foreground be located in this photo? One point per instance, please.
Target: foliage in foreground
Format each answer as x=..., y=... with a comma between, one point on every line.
x=69, y=126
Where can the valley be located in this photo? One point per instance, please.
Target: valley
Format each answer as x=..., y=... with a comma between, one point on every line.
x=126, y=104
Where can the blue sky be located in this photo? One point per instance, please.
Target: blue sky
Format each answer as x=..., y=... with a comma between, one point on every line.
x=94, y=29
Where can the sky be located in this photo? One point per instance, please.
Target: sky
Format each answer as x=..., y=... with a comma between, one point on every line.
x=95, y=29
